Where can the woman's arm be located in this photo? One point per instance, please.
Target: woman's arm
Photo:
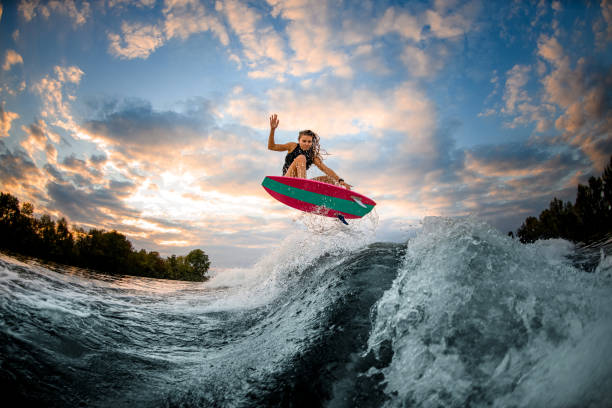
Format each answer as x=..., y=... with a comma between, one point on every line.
x=273, y=146
x=330, y=173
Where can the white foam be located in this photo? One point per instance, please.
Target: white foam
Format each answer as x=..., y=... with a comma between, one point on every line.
x=473, y=312
x=258, y=285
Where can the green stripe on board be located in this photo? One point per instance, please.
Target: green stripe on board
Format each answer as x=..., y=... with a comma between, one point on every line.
x=334, y=203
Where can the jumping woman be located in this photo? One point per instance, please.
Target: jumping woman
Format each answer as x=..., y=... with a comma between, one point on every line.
x=302, y=155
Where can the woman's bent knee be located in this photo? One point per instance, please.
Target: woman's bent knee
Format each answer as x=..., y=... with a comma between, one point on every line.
x=300, y=159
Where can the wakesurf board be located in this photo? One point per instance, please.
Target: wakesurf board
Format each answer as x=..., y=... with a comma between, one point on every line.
x=316, y=197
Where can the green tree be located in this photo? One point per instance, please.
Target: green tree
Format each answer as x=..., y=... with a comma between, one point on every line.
x=199, y=263
x=45, y=229
x=65, y=240
x=590, y=218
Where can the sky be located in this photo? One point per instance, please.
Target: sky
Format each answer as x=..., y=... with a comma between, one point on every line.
x=151, y=117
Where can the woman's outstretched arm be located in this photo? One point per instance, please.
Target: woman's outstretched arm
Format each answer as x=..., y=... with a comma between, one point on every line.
x=271, y=145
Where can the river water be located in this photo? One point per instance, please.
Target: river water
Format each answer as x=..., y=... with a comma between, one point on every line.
x=459, y=315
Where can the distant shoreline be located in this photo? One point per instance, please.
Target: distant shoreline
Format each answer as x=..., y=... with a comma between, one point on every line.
x=102, y=251
x=62, y=268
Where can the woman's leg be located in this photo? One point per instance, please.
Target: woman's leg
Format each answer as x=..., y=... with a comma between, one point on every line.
x=297, y=168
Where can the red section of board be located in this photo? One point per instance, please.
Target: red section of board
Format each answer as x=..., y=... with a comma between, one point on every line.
x=303, y=206
x=321, y=188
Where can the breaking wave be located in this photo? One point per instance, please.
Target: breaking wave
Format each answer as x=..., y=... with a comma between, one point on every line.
x=459, y=315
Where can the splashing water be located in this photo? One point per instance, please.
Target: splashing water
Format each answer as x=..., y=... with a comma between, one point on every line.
x=358, y=227
x=476, y=318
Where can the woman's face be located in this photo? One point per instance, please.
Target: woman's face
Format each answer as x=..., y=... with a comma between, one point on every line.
x=305, y=142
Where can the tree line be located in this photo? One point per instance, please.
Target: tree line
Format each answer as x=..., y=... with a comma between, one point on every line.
x=588, y=219
x=110, y=252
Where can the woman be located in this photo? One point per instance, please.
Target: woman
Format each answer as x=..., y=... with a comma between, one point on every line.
x=302, y=155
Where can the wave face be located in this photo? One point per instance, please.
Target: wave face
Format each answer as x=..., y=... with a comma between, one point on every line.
x=460, y=315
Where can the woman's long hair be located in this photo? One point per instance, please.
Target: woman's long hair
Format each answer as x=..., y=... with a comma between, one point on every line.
x=316, y=146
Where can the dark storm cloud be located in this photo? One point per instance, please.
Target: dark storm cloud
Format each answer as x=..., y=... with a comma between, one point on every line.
x=54, y=172
x=14, y=166
x=134, y=122
x=514, y=180
x=86, y=205
x=512, y=156
x=73, y=163
x=36, y=131
x=98, y=159
x=121, y=186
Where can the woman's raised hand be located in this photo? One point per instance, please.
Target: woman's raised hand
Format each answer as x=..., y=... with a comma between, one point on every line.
x=274, y=121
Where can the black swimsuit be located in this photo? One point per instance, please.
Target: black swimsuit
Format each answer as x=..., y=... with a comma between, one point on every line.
x=295, y=153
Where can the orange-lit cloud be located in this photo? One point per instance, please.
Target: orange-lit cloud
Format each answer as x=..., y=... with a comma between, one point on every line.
x=262, y=46
x=29, y=9
x=311, y=38
x=38, y=139
x=181, y=20
x=6, y=117
x=586, y=119
x=136, y=41
x=52, y=90
x=186, y=17
x=333, y=111
x=11, y=58
x=444, y=21
x=138, y=3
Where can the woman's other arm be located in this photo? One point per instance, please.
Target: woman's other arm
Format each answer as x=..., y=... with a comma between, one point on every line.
x=330, y=173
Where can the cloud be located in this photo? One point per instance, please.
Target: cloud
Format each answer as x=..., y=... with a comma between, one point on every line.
x=606, y=11
x=550, y=49
x=31, y=8
x=187, y=17
x=55, y=174
x=6, y=118
x=89, y=206
x=27, y=8
x=514, y=93
x=124, y=3
x=38, y=139
x=311, y=38
x=69, y=74
x=11, y=58
x=53, y=91
x=487, y=112
x=572, y=99
x=420, y=63
x=134, y=123
x=586, y=118
x=262, y=45
x=427, y=33
x=181, y=19
x=403, y=23
x=501, y=183
x=136, y=41
x=339, y=109
x=444, y=21
x=519, y=104
x=20, y=176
